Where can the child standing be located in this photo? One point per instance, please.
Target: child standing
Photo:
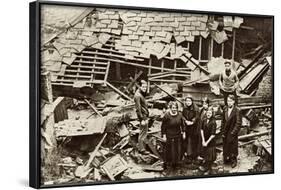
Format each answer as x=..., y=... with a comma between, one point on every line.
x=208, y=132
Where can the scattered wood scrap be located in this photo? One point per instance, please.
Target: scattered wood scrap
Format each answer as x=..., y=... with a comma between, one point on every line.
x=71, y=127
x=114, y=166
x=118, y=91
x=84, y=170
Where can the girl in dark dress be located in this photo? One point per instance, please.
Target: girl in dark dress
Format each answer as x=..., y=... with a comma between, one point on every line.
x=172, y=133
x=208, y=132
x=202, y=114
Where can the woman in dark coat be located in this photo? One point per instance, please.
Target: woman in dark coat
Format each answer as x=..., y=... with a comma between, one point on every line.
x=192, y=129
x=172, y=132
x=208, y=132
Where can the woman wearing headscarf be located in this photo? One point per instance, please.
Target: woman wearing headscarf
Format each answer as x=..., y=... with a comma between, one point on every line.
x=192, y=129
x=172, y=133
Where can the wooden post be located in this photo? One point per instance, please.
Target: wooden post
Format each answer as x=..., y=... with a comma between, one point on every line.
x=211, y=42
x=46, y=86
x=222, y=49
x=149, y=73
x=200, y=48
x=233, y=44
x=118, y=71
x=108, y=67
x=175, y=68
x=162, y=66
x=211, y=50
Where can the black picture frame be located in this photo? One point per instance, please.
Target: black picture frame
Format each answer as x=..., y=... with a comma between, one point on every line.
x=35, y=95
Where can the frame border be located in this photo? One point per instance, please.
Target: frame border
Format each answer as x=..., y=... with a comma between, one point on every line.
x=34, y=90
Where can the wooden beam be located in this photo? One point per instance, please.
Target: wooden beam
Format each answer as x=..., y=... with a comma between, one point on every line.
x=243, y=137
x=136, y=84
x=170, y=75
x=149, y=73
x=93, y=107
x=222, y=50
x=85, y=67
x=196, y=63
x=200, y=48
x=255, y=107
x=212, y=48
x=118, y=91
x=163, y=80
x=133, y=80
x=186, y=72
x=91, y=62
x=175, y=68
x=233, y=44
x=89, y=72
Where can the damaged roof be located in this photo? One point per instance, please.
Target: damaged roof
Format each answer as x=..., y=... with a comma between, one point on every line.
x=141, y=34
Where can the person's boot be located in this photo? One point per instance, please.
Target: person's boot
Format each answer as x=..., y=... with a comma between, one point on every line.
x=203, y=168
x=145, y=152
x=226, y=160
x=165, y=166
x=233, y=162
x=188, y=160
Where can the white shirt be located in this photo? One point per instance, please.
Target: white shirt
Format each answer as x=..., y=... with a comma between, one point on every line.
x=229, y=111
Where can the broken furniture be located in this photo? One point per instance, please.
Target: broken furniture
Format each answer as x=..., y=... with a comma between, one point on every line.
x=83, y=170
x=114, y=166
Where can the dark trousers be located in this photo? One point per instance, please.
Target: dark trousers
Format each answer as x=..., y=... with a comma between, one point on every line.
x=226, y=94
x=142, y=136
x=230, y=149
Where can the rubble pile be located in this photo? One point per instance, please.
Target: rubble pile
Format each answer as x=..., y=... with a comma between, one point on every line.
x=118, y=157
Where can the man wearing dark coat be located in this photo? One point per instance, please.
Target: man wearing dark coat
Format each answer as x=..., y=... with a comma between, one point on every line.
x=231, y=123
x=142, y=113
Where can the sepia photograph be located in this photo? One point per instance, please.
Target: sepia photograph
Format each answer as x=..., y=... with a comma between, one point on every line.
x=143, y=94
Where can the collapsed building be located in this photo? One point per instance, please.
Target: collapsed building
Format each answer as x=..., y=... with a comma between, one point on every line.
x=91, y=66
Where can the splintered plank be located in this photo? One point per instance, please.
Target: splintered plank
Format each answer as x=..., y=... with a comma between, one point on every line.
x=266, y=144
x=87, y=67
x=118, y=91
x=92, y=62
x=86, y=72
x=165, y=80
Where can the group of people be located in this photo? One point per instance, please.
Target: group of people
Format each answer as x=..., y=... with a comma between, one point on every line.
x=190, y=134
